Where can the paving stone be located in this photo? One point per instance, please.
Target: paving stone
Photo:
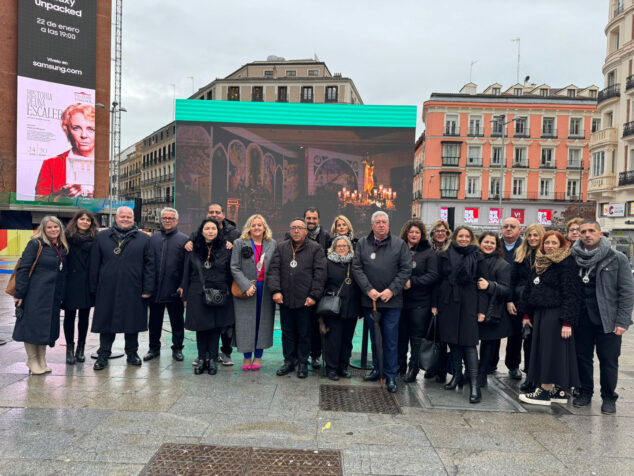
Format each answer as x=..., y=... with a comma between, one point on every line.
x=478, y=462
x=140, y=423
x=495, y=438
x=44, y=467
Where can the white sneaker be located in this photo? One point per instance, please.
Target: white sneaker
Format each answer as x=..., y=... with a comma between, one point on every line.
x=557, y=395
x=225, y=359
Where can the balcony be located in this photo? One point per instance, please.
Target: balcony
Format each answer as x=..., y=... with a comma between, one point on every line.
x=496, y=133
x=549, y=133
x=474, y=161
x=604, y=137
x=575, y=165
x=628, y=129
x=548, y=165
x=450, y=161
x=576, y=135
x=418, y=195
x=629, y=82
x=602, y=182
x=476, y=131
x=609, y=92
x=473, y=195
x=626, y=178
x=552, y=196
x=520, y=163
x=452, y=130
x=522, y=134
x=448, y=193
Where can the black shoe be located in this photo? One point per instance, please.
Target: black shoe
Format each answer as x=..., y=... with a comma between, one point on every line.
x=285, y=369
x=200, y=366
x=492, y=370
x=608, y=407
x=557, y=395
x=475, y=396
x=151, y=354
x=70, y=355
x=302, y=370
x=315, y=363
x=79, y=353
x=133, y=359
x=429, y=374
x=538, y=397
x=344, y=374
x=527, y=387
x=482, y=380
x=332, y=375
x=411, y=374
x=582, y=400
x=456, y=381
x=177, y=355
x=212, y=367
x=372, y=376
x=515, y=374
x=391, y=386
x=101, y=363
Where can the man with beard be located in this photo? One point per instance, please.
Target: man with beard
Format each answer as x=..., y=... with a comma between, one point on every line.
x=122, y=280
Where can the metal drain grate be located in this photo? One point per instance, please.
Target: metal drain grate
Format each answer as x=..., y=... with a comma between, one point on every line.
x=341, y=398
x=202, y=460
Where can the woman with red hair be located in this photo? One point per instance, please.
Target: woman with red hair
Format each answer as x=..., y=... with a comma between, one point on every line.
x=551, y=299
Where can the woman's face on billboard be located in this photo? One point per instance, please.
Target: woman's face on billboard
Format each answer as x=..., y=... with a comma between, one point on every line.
x=81, y=133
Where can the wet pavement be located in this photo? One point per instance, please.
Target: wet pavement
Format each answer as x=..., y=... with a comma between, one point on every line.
x=114, y=422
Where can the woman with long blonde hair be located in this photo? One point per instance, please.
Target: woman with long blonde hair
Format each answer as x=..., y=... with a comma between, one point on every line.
x=341, y=226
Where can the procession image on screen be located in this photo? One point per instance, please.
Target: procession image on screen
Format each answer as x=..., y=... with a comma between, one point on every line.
x=280, y=170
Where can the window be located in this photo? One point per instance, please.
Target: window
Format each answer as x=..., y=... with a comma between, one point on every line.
x=282, y=94
x=291, y=73
x=313, y=72
x=611, y=78
x=495, y=91
x=494, y=189
x=521, y=127
x=545, y=187
x=517, y=91
x=593, y=93
x=576, y=127
x=548, y=127
x=268, y=73
x=475, y=126
x=596, y=124
x=498, y=127
x=307, y=94
x=450, y=153
x=473, y=186
x=257, y=94
x=474, y=156
x=598, y=163
x=544, y=92
x=574, y=158
x=518, y=187
x=609, y=118
x=572, y=189
x=519, y=157
x=451, y=126
x=331, y=94
x=547, y=157
x=572, y=93
x=449, y=185
x=496, y=155
x=234, y=93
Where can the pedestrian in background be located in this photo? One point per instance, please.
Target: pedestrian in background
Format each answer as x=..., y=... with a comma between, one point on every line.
x=250, y=264
x=38, y=297
x=341, y=226
x=572, y=230
x=167, y=246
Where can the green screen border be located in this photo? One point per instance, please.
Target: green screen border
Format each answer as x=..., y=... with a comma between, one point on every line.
x=296, y=114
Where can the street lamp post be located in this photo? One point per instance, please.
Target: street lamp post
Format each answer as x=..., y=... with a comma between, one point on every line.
x=501, y=122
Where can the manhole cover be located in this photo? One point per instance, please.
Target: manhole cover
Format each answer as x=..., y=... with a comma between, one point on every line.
x=179, y=459
x=341, y=398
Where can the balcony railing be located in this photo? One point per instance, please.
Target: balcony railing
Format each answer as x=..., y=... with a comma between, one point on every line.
x=474, y=195
x=626, y=178
x=602, y=182
x=448, y=193
x=629, y=82
x=553, y=196
x=609, y=92
x=450, y=161
x=603, y=137
x=575, y=164
x=549, y=133
x=576, y=135
x=476, y=131
x=520, y=164
x=452, y=130
x=474, y=161
x=628, y=129
x=496, y=133
x=547, y=165
x=520, y=134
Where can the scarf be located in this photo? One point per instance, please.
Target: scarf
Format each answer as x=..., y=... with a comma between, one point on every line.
x=335, y=258
x=314, y=235
x=589, y=259
x=464, y=263
x=81, y=240
x=487, y=262
x=543, y=261
x=438, y=247
x=123, y=233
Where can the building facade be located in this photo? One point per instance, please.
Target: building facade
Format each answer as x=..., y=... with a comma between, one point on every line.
x=538, y=161
x=611, y=182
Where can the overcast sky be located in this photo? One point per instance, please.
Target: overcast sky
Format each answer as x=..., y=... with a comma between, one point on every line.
x=396, y=51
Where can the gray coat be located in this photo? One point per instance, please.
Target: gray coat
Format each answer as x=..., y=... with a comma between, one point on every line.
x=243, y=271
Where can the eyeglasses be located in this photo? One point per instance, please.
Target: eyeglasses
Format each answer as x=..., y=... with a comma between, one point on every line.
x=341, y=247
x=574, y=230
x=512, y=227
x=440, y=232
x=297, y=228
x=168, y=219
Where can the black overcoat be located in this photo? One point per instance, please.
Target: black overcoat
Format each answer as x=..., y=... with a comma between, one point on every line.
x=169, y=256
x=457, y=308
x=119, y=280
x=492, y=301
x=77, y=295
x=199, y=316
x=41, y=294
x=424, y=277
x=350, y=293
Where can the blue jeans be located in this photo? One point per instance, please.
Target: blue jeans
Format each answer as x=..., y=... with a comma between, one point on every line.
x=389, y=331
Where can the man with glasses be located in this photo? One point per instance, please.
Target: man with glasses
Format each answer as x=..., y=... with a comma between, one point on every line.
x=296, y=278
x=167, y=246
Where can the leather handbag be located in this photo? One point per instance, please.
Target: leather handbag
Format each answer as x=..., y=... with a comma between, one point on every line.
x=330, y=304
x=211, y=297
x=237, y=293
x=10, y=289
x=430, y=351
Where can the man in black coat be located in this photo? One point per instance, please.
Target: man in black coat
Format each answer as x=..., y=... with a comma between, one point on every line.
x=122, y=280
x=382, y=264
x=296, y=278
x=231, y=233
x=168, y=250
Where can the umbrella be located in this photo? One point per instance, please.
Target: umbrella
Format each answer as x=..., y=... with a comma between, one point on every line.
x=378, y=339
x=323, y=330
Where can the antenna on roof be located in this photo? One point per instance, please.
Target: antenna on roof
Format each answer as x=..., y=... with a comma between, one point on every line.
x=518, y=58
x=316, y=57
x=471, y=68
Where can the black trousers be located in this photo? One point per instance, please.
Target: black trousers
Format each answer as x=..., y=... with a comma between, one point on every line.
x=487, y=353
x=587, y=337
x=226, y=335
x=513, y=357
x=155, y=325
x=82, y=326
x=207, y=343
x=296, y=335
x=106, y=339
x=411, y=328
x=315, y=336
x=338, y=343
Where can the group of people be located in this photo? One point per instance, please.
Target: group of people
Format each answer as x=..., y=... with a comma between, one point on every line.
x=556, y=297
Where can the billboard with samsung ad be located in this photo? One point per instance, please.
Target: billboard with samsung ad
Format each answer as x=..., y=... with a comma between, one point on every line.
x=56, y=98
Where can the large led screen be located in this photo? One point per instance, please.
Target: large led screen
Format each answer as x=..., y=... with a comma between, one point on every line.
x=56, y=99
x=350, y=160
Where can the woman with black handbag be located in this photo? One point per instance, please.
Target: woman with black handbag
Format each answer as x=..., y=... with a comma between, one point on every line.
x=205, y=290
x=494, y=291
x=339, y=308
x=80, y=233
x=458, y=307
x=417, y=295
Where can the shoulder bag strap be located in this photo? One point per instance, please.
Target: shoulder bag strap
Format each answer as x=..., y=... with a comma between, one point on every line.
x=344, y=280
x=37, y=257
x=199, y=267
